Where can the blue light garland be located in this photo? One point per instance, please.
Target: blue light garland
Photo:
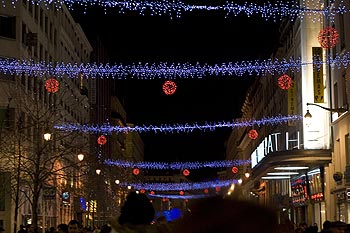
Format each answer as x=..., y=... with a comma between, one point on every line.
x=179, y=196
x=180, y=186
x=186, y=128
x=176, y=165
x=275, y=11
x=163, y=70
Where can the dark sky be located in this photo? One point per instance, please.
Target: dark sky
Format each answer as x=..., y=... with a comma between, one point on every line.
x=205, y=37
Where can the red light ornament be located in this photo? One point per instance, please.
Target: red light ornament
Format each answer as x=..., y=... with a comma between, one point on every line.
x=169, y=87
x=328, y=37
x=101, y=140
x=52, y=85
x=206, y=191
x=136, y=171
x=186, y=172
x=234, y=170
x=253, y=134
x=284, y=82
x=182, y=192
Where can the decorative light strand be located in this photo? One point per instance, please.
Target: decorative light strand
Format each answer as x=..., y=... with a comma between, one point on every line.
x=180, y=186
x=176, y=165
x=179, y=196
x=186, y=128
x=163, y=69
x=275, y=11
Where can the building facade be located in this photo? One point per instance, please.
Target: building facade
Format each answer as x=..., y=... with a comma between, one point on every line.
x=29, y=107
x=300, y=167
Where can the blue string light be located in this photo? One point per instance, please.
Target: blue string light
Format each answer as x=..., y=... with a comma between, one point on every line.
x=180, y=196
x=275, y=11
x=180, y=186
x=176, y=165
x=186, y=128
x=163, y=69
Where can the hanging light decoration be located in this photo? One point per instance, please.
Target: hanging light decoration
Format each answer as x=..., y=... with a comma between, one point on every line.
x=206, y=191
x=135, y=171
x=185, y=172
x=52, y=85
x=284, y=82
x=101, y=140
x=253, y=134
x=169, y=87
x=234, y=170
x=182, y=192
x=328, y=37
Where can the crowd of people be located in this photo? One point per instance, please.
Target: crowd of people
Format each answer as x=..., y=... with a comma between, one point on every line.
x=210, y=215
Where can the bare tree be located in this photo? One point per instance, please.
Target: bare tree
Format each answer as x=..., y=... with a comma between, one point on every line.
x=32, y=162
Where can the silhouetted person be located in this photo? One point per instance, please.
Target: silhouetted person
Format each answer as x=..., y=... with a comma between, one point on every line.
x=326, y=226
x=22, y=229
x=62, y=228
x=136, y=215
x=218, y=214
x=73, y=226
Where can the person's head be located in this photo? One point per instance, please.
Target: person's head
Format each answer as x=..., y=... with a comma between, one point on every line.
x=326, y=225
x=30, y=228
x=73, y=226
x=137, y=209
x=62, y=228
x=217, y=214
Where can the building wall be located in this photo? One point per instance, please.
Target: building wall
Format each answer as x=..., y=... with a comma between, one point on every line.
x=59, y=39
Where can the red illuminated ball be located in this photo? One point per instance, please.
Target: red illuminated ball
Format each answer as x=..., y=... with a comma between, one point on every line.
x=284, y=82
x=169, y=87
x=253, y=134
x=101, y=140
x=52, y=85
x=328, y=37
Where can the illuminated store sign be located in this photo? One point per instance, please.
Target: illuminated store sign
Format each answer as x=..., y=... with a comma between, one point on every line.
x=272, y=143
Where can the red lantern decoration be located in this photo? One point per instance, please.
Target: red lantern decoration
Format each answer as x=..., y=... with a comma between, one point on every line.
x=328, y=37
x=101, y=140
x=284, y=82
x=169, y=87
x=217, y=188
x=152, y=192
x=206, y=191
x=253, y=134
x=136, y=171
x=142, y=191
x=185, y=172
x=52, y=85
x=234, y=170
x=182, y=193
x=186, y=200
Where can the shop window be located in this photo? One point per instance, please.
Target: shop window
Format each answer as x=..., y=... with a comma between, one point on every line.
x=8, y=26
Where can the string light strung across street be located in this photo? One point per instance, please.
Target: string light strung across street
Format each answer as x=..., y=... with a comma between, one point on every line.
x=173, y=196
x=180, y=186
x=313, y=9
x=165, y=70
x=187, y=128
x=176, y=165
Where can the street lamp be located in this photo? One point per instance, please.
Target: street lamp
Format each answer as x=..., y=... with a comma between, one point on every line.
x=308, y=115
x=337, y=110
x=80, y=157
x=47, y=135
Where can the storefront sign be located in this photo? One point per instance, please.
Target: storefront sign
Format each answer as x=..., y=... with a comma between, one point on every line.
x=273, y=143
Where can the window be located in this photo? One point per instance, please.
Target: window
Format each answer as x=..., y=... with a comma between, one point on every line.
x=347, y=149
x=8, y=26
x=24, y=34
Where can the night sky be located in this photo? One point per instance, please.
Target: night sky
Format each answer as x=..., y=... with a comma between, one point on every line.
x=205, y=37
